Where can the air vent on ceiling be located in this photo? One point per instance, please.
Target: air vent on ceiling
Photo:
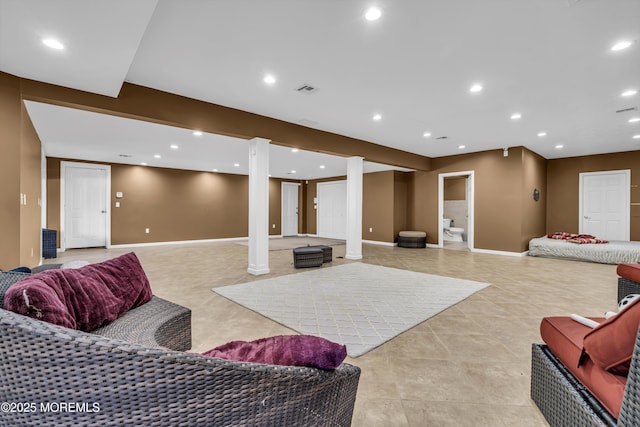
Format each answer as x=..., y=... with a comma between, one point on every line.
x=624, y=110
x=442, y=137
x=306, y=88
x=125, y=155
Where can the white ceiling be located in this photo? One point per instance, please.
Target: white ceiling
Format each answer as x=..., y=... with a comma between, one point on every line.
x=549, y=60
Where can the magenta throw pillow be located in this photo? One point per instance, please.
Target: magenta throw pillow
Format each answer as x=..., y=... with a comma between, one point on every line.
x=82, y=298
x=287, y=350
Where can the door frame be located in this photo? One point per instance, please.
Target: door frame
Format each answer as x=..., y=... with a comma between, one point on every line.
x=470, y=193
x=627, y=201
x=63, y=172
x=318, y=204
x=282, y=205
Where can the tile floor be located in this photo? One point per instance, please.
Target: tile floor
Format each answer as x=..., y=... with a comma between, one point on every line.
x=467, y=366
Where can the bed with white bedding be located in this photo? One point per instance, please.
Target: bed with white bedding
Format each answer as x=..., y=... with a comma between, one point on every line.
x=614, y=252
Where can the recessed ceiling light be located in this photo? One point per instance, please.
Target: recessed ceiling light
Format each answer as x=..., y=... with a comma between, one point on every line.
x=214, y=170
x=157, y=156
x=53, y=44
x=460, y=147
x=476, y=88
x=634, y=119
x=636, y=136
x=426, y=134
x=197, y=133
x=322, y=166
x=269, y=79
x=629, y=92
x=377, y=117
x=559, y=146
x=236, y=165
x=173, y=146
x=621, y=45
x=293, y=171
x=294, y=150
x=541, y=134
x=516, y=116
x=373, y=14
x=143, y=163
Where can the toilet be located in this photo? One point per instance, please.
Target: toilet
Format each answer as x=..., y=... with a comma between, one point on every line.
x=452, y=234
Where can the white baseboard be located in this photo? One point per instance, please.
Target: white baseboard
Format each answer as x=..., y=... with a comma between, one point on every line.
x=376, y=242
x=504, y=253
x=179, y=242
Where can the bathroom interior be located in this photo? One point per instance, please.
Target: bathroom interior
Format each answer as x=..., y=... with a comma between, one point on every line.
x=455, y=213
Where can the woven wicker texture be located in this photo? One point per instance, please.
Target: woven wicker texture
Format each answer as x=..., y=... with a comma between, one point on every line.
x=307, y=256
x=626, y=287
x=327, y=252
x=7, y=279
x=412, y=242
x=136, y=385
x=158, y=323
x=560, y=397
x=630, y=412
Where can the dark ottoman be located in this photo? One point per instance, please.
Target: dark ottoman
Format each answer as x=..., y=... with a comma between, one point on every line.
x=307, y=256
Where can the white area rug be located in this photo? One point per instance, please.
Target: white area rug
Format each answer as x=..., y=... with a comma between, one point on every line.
x=360, y=305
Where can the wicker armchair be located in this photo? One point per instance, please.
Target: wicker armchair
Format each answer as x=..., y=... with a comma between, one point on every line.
x=58, y=376
x=564, y=401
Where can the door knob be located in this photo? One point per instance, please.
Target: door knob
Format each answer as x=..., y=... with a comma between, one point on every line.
x=103, y=211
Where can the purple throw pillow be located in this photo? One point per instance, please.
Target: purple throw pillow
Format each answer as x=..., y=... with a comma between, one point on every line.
x=287, y=350
x=84, y=298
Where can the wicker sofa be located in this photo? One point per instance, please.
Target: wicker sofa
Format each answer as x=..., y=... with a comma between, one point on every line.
x=158, y=323
x=564, y=401
x=119, y=383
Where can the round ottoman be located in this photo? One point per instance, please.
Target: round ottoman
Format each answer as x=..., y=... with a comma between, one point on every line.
x=412, y=239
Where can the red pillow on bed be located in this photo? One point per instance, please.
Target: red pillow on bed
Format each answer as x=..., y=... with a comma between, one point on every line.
x=610, y=345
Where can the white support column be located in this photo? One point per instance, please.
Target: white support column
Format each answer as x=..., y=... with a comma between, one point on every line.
x=354, y=207
x=258, y=206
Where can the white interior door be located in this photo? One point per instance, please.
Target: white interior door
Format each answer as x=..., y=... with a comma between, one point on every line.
x=605, y=204
x=84, y=201
x=332, y=210
x=290, y=208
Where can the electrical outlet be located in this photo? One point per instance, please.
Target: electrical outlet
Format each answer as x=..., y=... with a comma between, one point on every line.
x=146, y=230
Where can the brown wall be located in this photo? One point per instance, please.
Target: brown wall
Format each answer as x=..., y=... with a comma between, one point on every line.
x=400, y=202
x=563, y=188
x=378, y=206
x=30, y=185
x=10, y=130
x=19, y=174
x=499, y=199
x=174, y=204
x=455, y=188
x=533, y=213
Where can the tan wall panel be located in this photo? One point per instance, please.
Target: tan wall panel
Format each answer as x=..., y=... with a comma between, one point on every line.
x=10, y=146
x=30, y=183
x=378, y=206
x=455, y=188
x=563, y=188
x=498, y=198
x=53, y=196
x=400, y=202
x=534, y=217
x=177, y=205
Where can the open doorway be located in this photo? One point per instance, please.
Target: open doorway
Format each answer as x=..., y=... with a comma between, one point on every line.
x=456, y=210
